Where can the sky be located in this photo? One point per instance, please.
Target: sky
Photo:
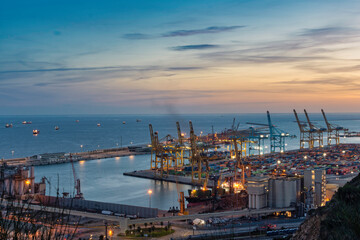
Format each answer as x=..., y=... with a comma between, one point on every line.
x=150, y=57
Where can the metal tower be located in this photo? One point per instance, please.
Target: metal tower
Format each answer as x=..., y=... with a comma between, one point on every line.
x=316, y=132
x=305, y=134
x=333, y=131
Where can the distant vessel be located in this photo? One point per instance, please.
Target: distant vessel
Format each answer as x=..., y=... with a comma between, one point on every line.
x=124, y=122
x=57, y=128
x=8, y=125
x=98, y=124
x=77, y=121
x=25, y=122
x=36, y=132
x=138, y=120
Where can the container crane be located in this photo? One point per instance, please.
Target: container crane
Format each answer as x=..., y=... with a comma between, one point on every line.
x=159, y=160
x=333, y=131
x=315, y=131
x=305, y=134
x=79, y=194
x=277, y=136
x=239, y=163
x=196, y=160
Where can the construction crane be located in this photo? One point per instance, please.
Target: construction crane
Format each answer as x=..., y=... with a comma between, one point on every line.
x=79, y=194
x=333, y=131
x=315, y=131
x=277, y=136
x=305, y=134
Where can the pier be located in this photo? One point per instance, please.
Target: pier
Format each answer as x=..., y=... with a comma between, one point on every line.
x=62, y=157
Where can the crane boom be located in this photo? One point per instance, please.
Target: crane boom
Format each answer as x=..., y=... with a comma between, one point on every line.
x=311, y=126
x=298, y=121
x=180, y=137
x=326, y=121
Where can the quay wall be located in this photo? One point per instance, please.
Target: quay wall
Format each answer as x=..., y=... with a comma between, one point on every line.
x=95, y=206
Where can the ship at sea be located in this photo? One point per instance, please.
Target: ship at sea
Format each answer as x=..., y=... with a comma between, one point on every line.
x=9, y=125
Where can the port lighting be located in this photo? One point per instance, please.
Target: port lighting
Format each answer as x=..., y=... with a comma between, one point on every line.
x=324, y=154
x=110, y=233
x=149, y=191
x=278, y=161
x=305, y=157
x=27, y=182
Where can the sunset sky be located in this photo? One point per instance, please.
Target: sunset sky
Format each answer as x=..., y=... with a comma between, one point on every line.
x=65, y=57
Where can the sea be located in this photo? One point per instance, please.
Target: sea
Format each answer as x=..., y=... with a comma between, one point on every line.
x=103, y=179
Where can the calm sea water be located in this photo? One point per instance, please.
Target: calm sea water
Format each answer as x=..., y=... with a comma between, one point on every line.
x=103, y=180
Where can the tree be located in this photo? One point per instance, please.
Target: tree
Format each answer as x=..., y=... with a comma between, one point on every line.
x=145, y=224
x=21, y=220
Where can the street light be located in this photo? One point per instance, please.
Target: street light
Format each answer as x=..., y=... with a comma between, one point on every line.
x=149, y=192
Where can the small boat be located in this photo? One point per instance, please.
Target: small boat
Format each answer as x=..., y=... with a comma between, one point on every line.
x=138, y=120
x=124, y=122
x=77, y=121
x=8, y=125
x=57, y=128
x=26, y=122
x=98, y=124
x=36, y=132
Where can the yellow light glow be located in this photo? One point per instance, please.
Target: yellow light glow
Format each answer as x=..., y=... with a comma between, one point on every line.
x=149, y=191
x=27, y=182
x=110, y=233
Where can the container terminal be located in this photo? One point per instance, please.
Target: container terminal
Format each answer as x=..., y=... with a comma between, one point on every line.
x=229, y=172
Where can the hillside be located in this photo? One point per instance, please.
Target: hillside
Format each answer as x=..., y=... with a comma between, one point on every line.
x=339, y=219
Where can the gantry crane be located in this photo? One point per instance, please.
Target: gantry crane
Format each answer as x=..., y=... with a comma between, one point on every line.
x=159, y=159
x=196, y=160
x=316, y=132
x=239, y=163
x=305, y=134
x=333, y=131
x=277, y=136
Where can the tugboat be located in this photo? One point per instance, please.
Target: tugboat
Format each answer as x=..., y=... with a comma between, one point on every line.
x=57, y=128
x=36, y=132
x=8, y=125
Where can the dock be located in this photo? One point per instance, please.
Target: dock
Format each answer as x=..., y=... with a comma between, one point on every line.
x=62, y=157
x=151, y=174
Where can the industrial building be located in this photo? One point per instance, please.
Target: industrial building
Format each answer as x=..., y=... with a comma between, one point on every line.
x=284, y=191
x=19, y=181
x=257, y=188
x=315, y=186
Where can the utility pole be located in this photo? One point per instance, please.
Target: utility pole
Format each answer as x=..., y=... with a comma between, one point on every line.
x=106, y=230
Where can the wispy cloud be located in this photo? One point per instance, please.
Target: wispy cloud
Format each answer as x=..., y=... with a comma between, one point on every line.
x=339, y=81
x=194, y=47
x=182, y=33
x=213, y=29
x=137, y=36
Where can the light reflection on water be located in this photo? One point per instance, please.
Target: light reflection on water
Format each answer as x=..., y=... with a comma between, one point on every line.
x=103, y=180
